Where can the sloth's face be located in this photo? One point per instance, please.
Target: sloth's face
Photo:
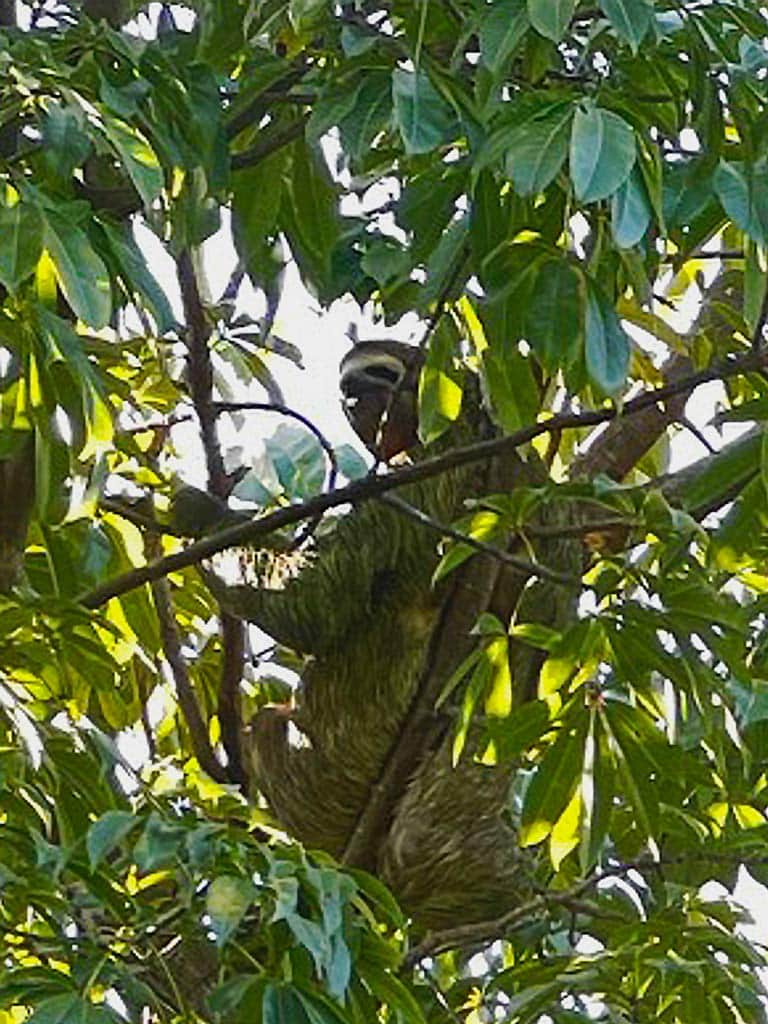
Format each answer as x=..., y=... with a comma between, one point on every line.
x=379, y=382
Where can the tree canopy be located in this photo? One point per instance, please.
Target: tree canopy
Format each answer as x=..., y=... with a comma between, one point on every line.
x=572, y=198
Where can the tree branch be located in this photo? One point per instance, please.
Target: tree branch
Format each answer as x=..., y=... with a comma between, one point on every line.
x=268, y=145
x=257, y=529
x=200, y=371
x=526, y=568
x=200, y=377
x=171, y=644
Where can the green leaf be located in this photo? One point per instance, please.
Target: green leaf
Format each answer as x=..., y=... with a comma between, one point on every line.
x=138, y=157
x=21, y=231
x=440, y=390
x=227, y=902
x=282, y=1005
x=743, y=192
x=606, y=345
x=630, y=211
x=551, y=17
x=553, y=783
x=630, y=18
x=518, y=732
x=597, y=791
x=370, y=114
x=603, y=153
x=511, y=386
x=627, y=730
x=304, y=13
x=106, y=833
x=138, y=277
x=79, y=269
x=394, y=994
x=538, y=148
x=69, y=1008
x=158, y=844
x=554, y=322
x=423, y=117
x=310, y=209
x=502, y=29
x=65, y=144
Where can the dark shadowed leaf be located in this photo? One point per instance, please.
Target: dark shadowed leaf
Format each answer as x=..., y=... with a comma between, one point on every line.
x=553, y=325
x=106, y=833
x=502, y=28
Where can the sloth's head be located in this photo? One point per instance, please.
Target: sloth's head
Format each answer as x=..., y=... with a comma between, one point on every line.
x=379, y=386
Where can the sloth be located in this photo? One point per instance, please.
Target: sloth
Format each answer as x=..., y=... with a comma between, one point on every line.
x=379, y=383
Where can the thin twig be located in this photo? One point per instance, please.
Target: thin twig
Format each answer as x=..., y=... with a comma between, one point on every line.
x=522, y=565
x=691, y=427
x=358, y=491
x=284, y=410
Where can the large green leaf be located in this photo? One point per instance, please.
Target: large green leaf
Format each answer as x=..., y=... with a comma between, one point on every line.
x=511, y=385
x=21, y=243
x=602, y=153
x=630, y=211
x=502, y=28
x=554, y=322
x=744, y=194
x=551, y=17
x=553, y=784
x=424, y=118
x=538, y=148
x=227, y=901
x=139, y=159
x=630, y=18
x=80, y=270
x=106, y=833
x=606, y=345
x=137, y=276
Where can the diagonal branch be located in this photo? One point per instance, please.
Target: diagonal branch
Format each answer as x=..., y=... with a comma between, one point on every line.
x=255, y=531
x=171, y=644
x=528, y=569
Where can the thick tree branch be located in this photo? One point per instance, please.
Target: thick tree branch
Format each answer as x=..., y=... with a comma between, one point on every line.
x=200, y=371
x=257, y=529
x=200, y=378
x=230, y=702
